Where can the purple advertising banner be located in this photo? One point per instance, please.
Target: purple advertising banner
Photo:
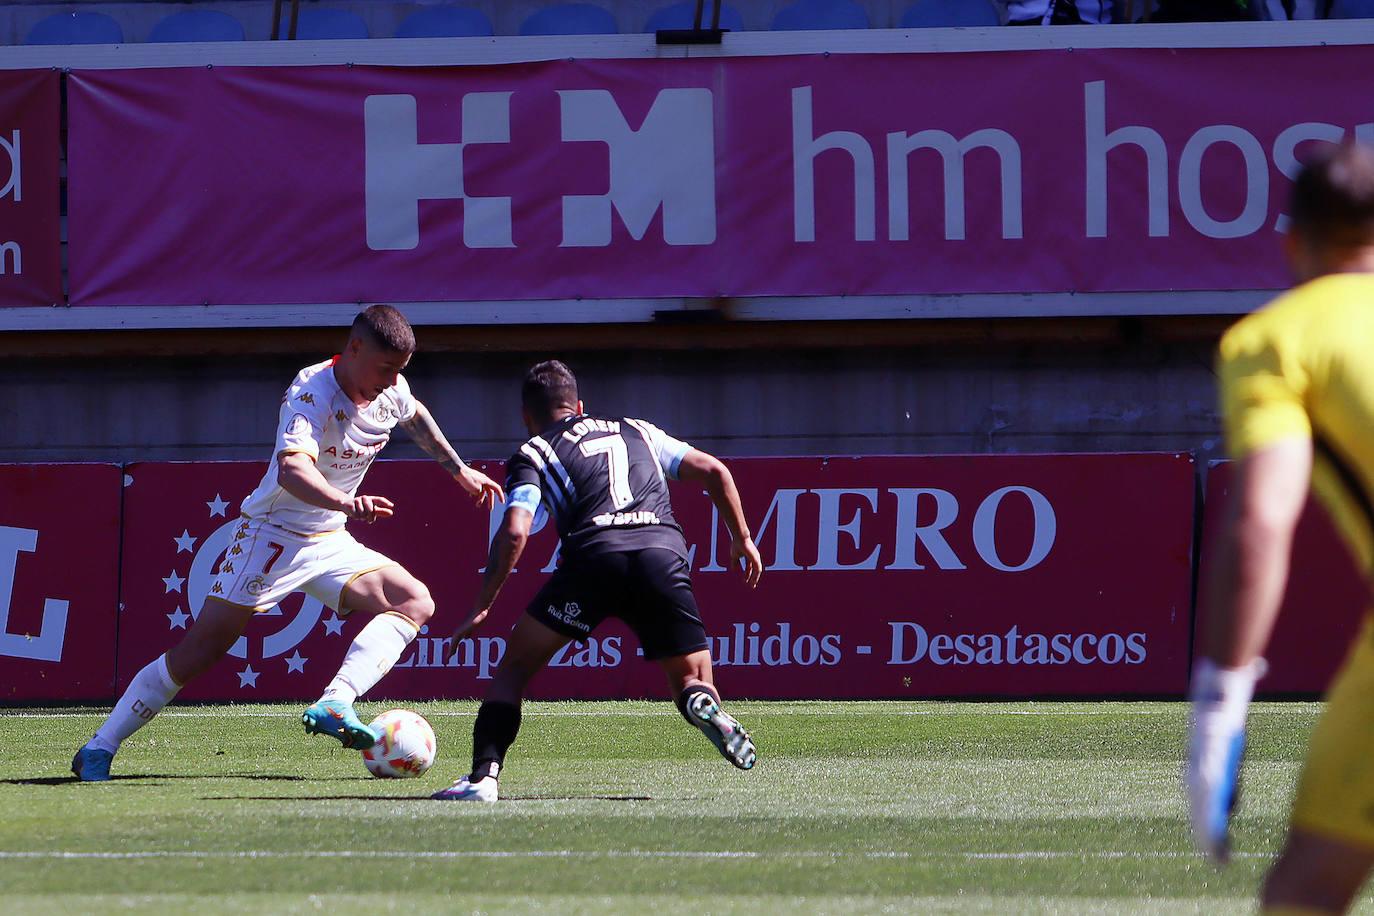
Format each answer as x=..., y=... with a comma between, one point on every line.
x=30, y=157
x=1024, y=171
x=59, y=581
x=1323, y=604
x=886, y=577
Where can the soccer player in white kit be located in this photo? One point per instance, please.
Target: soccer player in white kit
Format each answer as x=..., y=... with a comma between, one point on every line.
x=335, y=418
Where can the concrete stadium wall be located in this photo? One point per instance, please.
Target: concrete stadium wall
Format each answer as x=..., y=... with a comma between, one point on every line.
x=931, y=389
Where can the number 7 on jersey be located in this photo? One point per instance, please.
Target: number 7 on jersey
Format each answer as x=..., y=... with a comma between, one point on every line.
x=618, y=465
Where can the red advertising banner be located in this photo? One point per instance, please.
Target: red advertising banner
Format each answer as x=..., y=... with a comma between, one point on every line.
x=59, y=581
x=30, y=157
x=1047, y=171
x=1324, y=602
x=886, y=577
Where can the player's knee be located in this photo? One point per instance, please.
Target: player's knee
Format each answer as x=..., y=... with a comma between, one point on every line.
x=418, y=606
x=422, y=610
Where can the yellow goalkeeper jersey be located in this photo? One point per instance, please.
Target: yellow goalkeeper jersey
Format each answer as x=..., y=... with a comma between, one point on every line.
x=1303, y=366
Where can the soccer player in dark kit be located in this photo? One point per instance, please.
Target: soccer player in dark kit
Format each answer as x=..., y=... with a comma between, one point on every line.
x=603, y=482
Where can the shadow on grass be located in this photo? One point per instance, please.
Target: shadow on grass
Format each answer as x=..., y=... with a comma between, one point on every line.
x=425, y=798
x=142, y=777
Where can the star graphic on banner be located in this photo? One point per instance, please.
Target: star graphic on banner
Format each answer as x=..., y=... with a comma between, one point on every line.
x=296, y=662
x=248, y=677
x=178, y=619
x=173, y=582
x=185, y=542
x=217, y=506
x=333, y=625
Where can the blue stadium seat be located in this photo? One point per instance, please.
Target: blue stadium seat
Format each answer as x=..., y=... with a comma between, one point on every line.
x=79, y=28
x=1352, y=9
x=570, y=19
x=928, y=14
x=197, y=25
x=681, y=16
x=446, y=22
x=820, y=14
x=320, y=22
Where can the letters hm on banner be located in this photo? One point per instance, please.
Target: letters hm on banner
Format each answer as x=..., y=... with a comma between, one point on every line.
x=737, y=177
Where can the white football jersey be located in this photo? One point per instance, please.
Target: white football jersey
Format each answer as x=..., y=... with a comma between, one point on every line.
x=317, y=418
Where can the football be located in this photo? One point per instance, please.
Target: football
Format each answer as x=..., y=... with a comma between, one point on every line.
x=406, y=747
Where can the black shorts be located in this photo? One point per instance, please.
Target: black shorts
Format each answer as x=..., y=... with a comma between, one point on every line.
x=650, y=590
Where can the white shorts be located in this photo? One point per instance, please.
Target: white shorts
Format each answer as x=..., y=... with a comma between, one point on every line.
x=263, y=564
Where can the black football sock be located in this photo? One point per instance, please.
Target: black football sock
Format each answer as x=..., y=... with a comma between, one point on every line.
x=492, y=735
x=685, y=698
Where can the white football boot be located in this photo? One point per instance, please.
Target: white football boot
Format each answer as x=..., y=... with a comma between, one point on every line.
x=483, y=790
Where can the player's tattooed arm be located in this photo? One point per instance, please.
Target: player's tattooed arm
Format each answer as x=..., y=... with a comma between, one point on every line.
x=425, y=432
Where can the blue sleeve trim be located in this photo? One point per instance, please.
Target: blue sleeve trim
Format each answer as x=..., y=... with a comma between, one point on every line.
x=526, y=496
x=675, y=457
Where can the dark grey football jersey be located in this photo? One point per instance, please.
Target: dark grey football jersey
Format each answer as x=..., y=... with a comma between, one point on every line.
x=603, y=482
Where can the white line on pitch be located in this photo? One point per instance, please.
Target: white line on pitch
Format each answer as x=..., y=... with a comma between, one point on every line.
x=742, y=704
x=605, y=854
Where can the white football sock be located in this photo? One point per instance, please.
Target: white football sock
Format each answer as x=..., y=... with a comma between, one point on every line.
x=376, y=648
x=149, y=691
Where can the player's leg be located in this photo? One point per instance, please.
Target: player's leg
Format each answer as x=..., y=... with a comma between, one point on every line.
x=1330, y=848
x=689, y=678
x=214, y=631
x=528, y=649
x=1316, y=874
x=399, y=604
x=663, y=613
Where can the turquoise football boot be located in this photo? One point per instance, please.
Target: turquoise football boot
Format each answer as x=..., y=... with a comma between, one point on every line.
x=336, y=718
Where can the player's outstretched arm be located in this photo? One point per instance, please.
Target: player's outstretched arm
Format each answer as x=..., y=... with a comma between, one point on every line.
x=1216, y=750
x=720, y=485
x=1242, y=592
x=425, y=432
x=506, y=548
x=299, y=476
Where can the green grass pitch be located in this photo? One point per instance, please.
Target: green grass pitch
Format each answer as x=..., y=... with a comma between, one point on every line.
x=854, y=808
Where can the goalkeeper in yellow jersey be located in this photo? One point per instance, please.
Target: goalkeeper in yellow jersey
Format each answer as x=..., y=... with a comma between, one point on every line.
x=1297, y=400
